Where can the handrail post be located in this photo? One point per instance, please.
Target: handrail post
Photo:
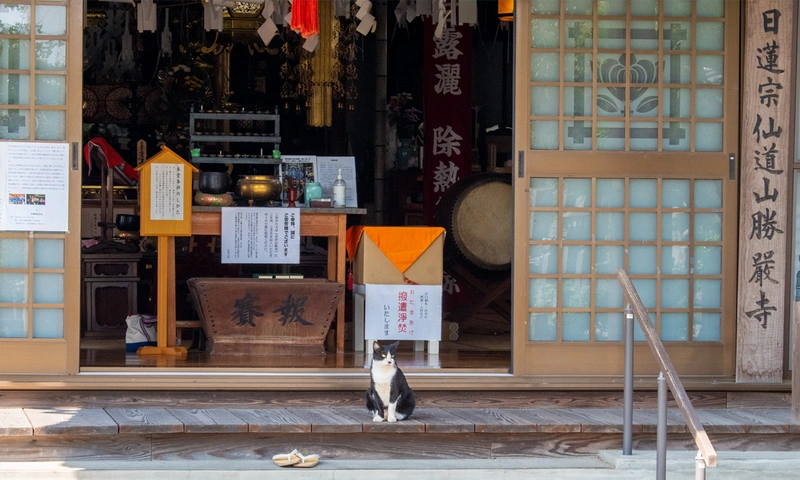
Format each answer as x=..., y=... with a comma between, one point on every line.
x=661, y=429
x=699, y=467
x=627, y=417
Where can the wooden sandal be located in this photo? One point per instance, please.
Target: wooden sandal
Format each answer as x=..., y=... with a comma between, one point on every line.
x=287, y=459
x=307, y=461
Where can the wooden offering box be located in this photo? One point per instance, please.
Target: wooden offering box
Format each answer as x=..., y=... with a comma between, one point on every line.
x=250, y=316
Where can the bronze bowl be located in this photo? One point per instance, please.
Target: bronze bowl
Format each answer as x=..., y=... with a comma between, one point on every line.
x=259, y=188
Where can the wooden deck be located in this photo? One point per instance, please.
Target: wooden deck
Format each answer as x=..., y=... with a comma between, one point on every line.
x=248, y=425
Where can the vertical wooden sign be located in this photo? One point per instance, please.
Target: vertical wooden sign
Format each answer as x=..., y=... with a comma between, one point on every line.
x=763, y=223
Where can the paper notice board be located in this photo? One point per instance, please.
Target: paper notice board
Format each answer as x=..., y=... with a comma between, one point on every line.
x=34, y=186
x=403, y=312
x=260, y=235
x=328, y=169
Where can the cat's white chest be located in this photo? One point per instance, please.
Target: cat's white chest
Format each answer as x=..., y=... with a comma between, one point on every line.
x=382, y=376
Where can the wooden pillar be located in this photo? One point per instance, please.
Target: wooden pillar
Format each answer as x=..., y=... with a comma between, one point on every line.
x=766, y=168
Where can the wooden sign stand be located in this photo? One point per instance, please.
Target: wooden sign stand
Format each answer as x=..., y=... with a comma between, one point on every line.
x=174, y=179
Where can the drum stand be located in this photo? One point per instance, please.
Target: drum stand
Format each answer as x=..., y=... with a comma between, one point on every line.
x=493, y=293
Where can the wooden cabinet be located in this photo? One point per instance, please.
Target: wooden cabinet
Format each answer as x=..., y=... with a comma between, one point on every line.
x=110, y=285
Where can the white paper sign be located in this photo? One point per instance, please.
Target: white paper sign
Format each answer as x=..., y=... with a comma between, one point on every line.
x=166, y=191
x=328, y=168
x=260, y=235
x=34, y=186
x=403, y=312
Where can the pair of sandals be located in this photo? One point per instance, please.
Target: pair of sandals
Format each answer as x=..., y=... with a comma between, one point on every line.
x=296, y=459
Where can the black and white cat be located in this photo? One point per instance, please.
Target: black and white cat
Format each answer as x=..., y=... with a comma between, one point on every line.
x=389, y=397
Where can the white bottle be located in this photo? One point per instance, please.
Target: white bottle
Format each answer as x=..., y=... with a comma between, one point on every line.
x=339, y=189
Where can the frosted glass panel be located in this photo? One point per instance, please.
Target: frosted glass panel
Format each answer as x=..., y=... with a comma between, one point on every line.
x=675, y=194
x=48, y=323
x=13, y=321
x=674, y=293
x=609, y=259
x=642, y=227
x=544, y=67
x=578, y=192
x=677, y=102
x=675, y=327
x=611, y=102
x=544, y=135
x=678, y=8
x=544, y=226
x=646, y=36
x=578, y=135
x=15, y=89
x=644, y=136
x=51, y=20
x=14, y=124
x=610, y=192
x=51, y=55
x=578, y=7
x=642, y=260
x=15, y=19
x=543, y=259
x=15, y=54
x=710, y=8
x=576, y=293
x=709, y=70
x=705, y=327
x=675, y=227
x=610, y=226
x=610, y=136
x=710, y=36
x=545, y=7
x=544, y=101
x=51, y=125
x=577, y=226
x=708, y=103
x=544, y=327
x=611, y=7
x=542, y=293
x=13, y=288
x=578, y=34
x=708, y=227
x=48, y=288
x=544, y=33
x=707, y=260
x=677, y=68
x=677, y=36
x=709, y=137
x=676, y=136
x=544, y=192
x=51, y=90
x=644, y=102
x=611, y=34
x=707, y=293
x=577, y=102
x=577, y=259
x=647, y=291
x=707, y=194
x=644, y=8
x=643, y=193
x=575, y=327
x=608, y=327
x=608, y=293
x=13, y=253
x=675, y=260
x=48, y=253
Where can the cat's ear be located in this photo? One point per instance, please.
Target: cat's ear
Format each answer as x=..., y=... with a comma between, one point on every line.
x=394, y=346
x=376, y=346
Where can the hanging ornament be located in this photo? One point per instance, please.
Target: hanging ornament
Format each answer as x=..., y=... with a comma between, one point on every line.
x=305, y=17
x=166, y=36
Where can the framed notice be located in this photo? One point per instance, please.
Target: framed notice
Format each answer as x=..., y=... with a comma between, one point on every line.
x=328, y=169
x=34, y=186
x=403, y=312
x=260, y=235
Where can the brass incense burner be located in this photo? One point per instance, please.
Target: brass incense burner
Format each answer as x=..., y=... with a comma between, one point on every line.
x=259, y=188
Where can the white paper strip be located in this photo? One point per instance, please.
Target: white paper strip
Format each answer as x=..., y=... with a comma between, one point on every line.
x=311, y=43
x=341, y=8
x=212, y=17
x=367, y=25
x=423, y=7
x=267, y=31
x=467, y=12
x=281, y=9
x=166, y=36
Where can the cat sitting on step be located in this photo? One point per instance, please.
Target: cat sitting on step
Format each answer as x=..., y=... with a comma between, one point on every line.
x=389, y=397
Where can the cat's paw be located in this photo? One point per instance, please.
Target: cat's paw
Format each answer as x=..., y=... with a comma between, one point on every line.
x=376, y=418
x=392, y=419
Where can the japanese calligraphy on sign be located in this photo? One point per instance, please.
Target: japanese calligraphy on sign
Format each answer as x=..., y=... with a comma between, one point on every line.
x=403, y=312
x=166, y=191
x=260, y=235
x=448, y=126
x=764, y=194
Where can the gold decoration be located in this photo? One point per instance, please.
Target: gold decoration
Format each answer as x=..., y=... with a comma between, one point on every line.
x=323, y=72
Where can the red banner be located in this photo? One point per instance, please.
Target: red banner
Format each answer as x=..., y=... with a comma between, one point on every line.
x=447, y=89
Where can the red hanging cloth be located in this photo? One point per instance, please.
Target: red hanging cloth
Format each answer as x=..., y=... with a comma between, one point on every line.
x=305, y=17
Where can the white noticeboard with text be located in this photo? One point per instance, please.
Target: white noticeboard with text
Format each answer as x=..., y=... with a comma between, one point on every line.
x=260, y=235
x=166, y=191
x=34, y=186
x=328, y=169
x=403, y=312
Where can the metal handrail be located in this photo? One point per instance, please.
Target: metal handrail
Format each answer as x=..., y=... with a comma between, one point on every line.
x=706, y=454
